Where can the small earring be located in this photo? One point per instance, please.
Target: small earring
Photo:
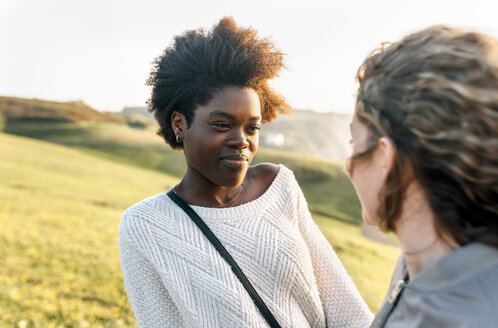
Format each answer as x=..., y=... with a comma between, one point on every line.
x=178, y=140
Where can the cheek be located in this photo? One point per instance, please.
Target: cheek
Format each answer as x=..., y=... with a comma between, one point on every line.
x=254, y=144
x=367, y=185
x=197, y=152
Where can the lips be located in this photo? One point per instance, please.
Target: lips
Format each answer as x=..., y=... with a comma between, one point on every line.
x=235, y=160
x=235, y=157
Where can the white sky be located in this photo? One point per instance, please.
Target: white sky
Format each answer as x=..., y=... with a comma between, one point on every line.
x=99, y=51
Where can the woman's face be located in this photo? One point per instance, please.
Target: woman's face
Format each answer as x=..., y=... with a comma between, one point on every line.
x=224, y=136
x=368, y=174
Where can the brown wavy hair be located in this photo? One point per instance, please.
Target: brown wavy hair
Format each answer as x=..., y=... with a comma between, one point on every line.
x=434, y=94
x=198, y=64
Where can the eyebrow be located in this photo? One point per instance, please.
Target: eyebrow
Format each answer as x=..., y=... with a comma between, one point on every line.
x=230, y=116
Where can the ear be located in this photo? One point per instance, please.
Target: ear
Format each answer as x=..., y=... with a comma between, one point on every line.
x=178, y=122
x=386, y=155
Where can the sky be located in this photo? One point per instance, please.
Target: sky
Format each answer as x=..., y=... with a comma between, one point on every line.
x=100, y=51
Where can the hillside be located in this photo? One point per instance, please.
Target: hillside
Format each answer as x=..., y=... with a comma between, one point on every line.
x=60, y=210
x=118, y=142
x=314, y=134
x=307, y=132
x=36, y=110
x=330, y=190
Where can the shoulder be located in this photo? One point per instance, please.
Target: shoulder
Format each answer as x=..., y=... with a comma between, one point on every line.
x=140, y=215
x=482, y=271
x=464, y=287
x=264, y=171
x=146, y=205
x=488, y=277
x=269, y=171
x=266, y=174
x=271, y=180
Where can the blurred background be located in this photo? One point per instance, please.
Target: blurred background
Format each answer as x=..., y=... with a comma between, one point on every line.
x=77, y=145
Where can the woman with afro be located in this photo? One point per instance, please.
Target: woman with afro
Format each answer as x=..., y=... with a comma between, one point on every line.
x=210, y=95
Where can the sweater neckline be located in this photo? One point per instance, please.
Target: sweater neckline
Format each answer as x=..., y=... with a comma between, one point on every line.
x=251, y=207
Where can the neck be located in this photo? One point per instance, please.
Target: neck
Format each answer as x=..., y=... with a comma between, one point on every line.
x=421, y=242
x=195, y=189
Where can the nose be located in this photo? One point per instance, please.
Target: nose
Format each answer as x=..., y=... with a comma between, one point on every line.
x=238, y=139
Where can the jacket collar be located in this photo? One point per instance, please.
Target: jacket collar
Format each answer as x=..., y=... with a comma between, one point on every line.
x=453, y=268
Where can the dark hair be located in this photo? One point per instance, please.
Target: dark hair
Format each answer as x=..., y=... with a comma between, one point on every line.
x=199, y=64
x=434, y=94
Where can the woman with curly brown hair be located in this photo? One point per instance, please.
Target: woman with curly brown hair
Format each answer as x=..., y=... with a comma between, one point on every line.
x=210, y=96
x=425, y=165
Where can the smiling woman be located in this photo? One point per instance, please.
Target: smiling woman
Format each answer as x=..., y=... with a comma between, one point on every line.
x=219, y=145
x=210, y=96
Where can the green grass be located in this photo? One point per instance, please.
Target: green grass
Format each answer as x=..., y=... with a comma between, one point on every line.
x=60, y=210
x=324, y=183
x=118, y=142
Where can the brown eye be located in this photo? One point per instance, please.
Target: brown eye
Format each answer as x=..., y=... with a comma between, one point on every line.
x=221, y=125
x=253, y=129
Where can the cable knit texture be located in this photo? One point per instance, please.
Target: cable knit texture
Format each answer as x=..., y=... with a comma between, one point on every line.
x=174, y=277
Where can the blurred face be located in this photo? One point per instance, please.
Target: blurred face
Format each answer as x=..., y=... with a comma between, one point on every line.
x=367, y=174
x=223, y=137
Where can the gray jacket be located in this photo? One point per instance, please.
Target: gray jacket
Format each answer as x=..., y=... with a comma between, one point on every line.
x=458, y=290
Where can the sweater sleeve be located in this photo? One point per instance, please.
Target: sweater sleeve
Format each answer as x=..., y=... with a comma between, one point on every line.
x=343, y=304
x=149, y=299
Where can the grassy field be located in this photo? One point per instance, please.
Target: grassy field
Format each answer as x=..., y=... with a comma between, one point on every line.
x=60, y=209
x=323, y=182
x=112, y=141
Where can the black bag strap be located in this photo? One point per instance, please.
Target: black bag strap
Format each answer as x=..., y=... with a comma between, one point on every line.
x=224, y=253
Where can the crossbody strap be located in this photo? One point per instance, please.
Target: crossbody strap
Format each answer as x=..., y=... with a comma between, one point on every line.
x=224, y=253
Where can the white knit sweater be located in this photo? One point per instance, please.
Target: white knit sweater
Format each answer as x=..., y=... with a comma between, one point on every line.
x=175, y=278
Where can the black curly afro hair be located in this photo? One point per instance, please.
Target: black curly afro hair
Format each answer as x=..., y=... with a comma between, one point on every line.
x=198, y=64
